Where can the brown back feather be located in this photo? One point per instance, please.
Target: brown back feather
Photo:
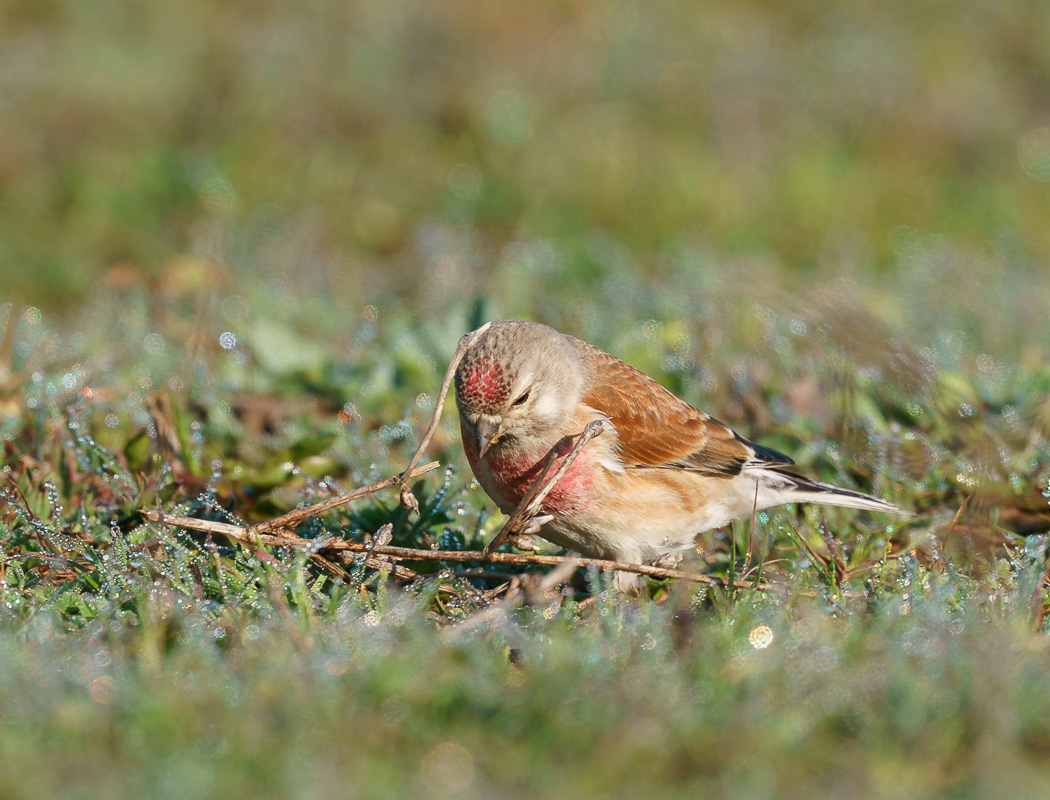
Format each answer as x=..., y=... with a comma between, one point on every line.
x=657, y=429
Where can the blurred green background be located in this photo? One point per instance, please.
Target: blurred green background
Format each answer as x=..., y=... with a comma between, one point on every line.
x=332, y=141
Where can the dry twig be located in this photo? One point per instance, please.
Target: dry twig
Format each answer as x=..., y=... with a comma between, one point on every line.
x=296, y=516
x=838, y=562
x=284, y=538
x=407, y=499
x=955, y=522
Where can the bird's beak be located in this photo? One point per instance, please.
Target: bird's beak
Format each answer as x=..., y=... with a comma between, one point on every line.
x=486, y=434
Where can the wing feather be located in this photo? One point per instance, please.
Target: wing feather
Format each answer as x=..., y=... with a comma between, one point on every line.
x=657, y=429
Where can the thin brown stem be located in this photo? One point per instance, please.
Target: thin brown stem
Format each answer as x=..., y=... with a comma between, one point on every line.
x=955, y=522
x=838, y=561
x=29, y=512
x=255, y=537
x=817, y=559
x=283, y=538
x=407, y=499
x=751, y=533
x=297, y=515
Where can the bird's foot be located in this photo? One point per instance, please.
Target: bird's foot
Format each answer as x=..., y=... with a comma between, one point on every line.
x=669, y=561
x=531, y=524
x=524, y=537
x=523, y=541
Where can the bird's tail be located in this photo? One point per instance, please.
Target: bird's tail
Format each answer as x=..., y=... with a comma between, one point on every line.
x=796, y=489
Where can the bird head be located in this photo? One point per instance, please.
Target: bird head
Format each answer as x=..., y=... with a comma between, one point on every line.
x=517, y=387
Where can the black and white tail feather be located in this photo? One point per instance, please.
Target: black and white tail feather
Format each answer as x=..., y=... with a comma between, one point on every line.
x=777, y=486
x=791, y=488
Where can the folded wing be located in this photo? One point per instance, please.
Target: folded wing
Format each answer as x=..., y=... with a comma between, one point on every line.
x=658, y=430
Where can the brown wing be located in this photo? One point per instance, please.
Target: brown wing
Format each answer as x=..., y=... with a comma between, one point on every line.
x=657, y=429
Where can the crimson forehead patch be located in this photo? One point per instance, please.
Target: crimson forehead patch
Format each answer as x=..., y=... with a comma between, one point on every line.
x=482, y=381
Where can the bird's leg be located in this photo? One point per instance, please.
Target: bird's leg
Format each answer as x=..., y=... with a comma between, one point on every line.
x=525, y=542
x=407, y=499
x=669, y=561
x=525, y=517
x=528, y=527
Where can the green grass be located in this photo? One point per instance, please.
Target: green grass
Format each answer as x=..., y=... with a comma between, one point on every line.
x=239, y=247
x=177, y=700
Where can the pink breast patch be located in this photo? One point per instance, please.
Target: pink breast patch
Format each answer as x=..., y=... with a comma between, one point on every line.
x=508, y=479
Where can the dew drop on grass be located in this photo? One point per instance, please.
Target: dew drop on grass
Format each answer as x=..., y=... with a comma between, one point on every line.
x=761, y=637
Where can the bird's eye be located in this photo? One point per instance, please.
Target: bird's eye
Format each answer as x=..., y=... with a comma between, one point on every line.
x=521, y=399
